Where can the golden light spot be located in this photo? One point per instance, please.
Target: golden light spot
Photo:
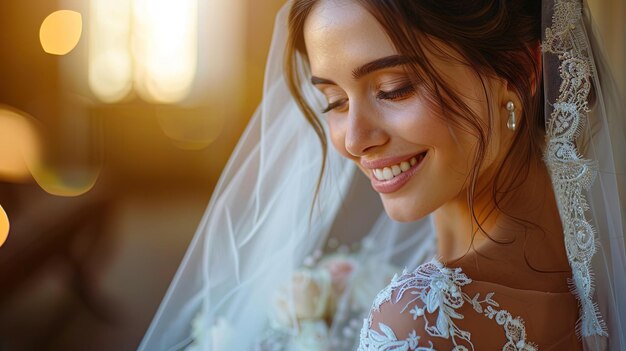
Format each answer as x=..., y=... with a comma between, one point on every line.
x=19, y=144
x=110, y=59
x=60, y=32
x=165, y=48
x=4, y=226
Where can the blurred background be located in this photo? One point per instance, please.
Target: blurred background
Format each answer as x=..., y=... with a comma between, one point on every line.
x=116, y=119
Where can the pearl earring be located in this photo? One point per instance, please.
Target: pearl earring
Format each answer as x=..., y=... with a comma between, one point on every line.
x=511, y=123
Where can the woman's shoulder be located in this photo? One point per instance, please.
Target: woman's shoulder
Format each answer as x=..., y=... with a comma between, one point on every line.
x=435, y=307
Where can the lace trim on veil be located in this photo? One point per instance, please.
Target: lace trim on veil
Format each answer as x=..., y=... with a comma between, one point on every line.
x=571, y=173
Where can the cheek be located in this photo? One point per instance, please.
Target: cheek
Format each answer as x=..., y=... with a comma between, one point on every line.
x=423, y=123
x=451, y=147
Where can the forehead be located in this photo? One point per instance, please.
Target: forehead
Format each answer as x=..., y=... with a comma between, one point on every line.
x=341, y=35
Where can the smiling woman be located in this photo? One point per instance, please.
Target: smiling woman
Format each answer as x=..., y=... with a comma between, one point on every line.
x=434, y=82
x=466, y=135
x=442, y=104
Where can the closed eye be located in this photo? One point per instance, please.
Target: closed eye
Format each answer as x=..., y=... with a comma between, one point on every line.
x=334, y=105
x=396, y=94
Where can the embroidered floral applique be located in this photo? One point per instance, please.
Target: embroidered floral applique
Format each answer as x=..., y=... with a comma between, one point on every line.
x=439, y=290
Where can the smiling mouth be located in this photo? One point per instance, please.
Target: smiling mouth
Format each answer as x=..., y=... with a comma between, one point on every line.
x=390, y=172
x=392, y=178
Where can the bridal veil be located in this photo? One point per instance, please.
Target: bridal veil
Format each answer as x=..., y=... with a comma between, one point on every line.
x=269, y=216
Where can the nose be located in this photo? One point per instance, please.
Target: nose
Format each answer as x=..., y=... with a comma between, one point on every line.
x=365, y=131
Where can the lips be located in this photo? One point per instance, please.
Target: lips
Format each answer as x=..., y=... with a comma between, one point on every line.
x=389, y=172
x=390, y=175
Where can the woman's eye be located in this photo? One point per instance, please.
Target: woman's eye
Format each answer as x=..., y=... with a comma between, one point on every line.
x=397, y=94
x=334, y=105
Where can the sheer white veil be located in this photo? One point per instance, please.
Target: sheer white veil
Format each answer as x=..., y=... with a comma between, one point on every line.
x=586, y=152
x=268, y=217
x=264, y=219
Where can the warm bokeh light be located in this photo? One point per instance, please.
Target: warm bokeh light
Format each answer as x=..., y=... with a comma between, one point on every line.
x=191, y=128
x=224, y=59
x=165, y=44
x=4, y=226
x=19, y=145
x=60, y=32
x=110, y=59
x=21, y=157
x=65, y=182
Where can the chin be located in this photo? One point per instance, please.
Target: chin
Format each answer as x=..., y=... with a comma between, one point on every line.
x=402, y=212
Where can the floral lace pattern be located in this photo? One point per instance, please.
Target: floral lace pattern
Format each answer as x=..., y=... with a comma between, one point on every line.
x=571, y=173
x=439, y=290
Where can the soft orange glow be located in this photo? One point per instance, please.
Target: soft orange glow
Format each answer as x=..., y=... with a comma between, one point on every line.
x=190, y=129
x=60, y=32
x=166, y=47
x=159, y=49
x=161, y=63
x=19, y=144
x=223, y=49
x=110, y=59
x=4, y=226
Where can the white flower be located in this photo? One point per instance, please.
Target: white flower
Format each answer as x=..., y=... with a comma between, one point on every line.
x=221, y=333
x=313, y=336
x=340, y=269
x=199, y=328
x=218, y=335
x=304, y=298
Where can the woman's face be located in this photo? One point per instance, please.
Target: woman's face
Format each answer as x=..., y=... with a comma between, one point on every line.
x=397, y=136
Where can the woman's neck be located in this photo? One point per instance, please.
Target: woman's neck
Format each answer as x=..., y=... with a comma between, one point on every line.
x=524, y=230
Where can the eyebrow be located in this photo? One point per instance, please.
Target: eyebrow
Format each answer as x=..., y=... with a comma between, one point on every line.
x=378, y=64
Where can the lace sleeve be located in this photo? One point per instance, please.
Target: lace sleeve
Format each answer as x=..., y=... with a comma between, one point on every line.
x=397, y=324
x=427, y=309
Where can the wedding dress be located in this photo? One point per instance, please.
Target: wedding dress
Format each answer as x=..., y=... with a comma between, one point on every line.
x=258, y=274
x=440, y=299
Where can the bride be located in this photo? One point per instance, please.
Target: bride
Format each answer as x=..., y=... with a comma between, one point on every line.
x=485, y=134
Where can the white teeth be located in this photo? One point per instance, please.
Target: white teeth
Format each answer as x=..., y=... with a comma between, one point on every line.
x=395, y=169
x=387, y=174
x=378, y=173
x=390, y=172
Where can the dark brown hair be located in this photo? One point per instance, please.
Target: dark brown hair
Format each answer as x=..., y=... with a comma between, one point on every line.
x=496, y=38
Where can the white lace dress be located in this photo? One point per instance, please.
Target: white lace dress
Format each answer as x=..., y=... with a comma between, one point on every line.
x=433, y=298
